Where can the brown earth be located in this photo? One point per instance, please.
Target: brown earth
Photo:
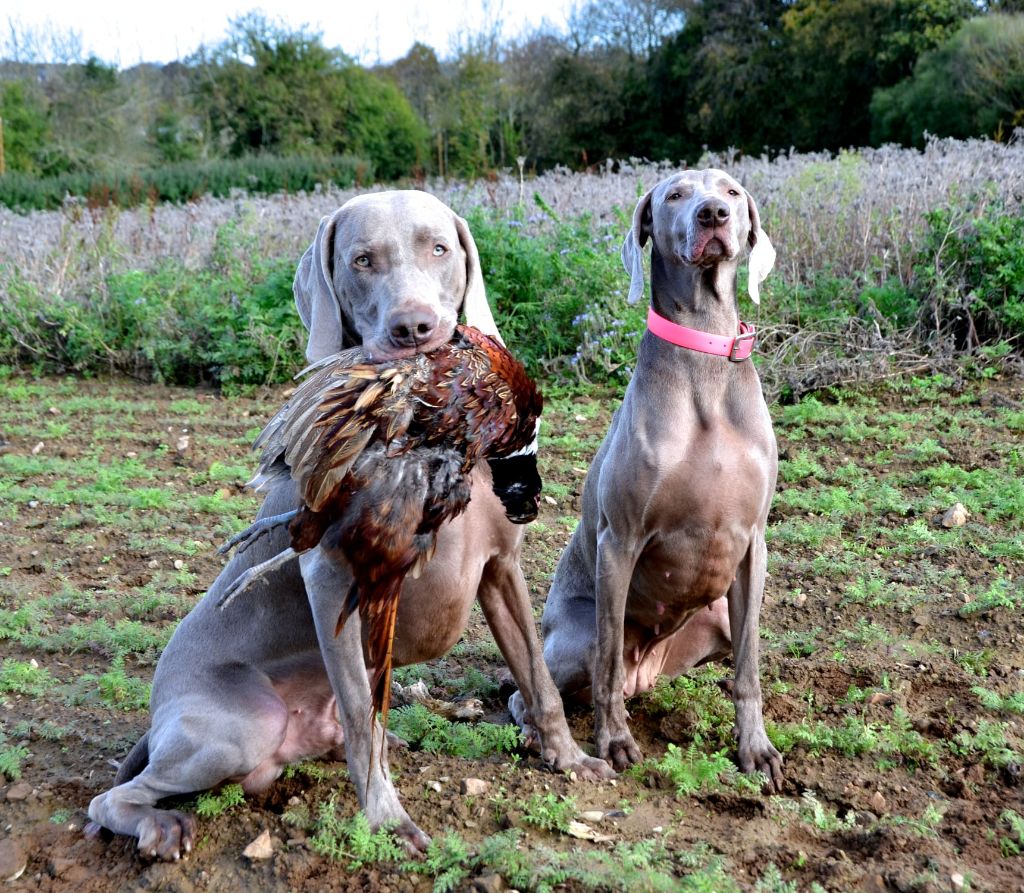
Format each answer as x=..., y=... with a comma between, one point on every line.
x=913, y=667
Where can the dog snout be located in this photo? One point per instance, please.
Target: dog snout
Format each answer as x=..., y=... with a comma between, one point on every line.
x=413, y=327
x=714, y=212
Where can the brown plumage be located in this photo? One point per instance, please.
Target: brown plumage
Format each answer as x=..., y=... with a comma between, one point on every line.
x=382, y=454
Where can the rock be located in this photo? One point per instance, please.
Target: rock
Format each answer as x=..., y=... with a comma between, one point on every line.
x=53, y=410
x=956, y=516
x=153, y=564
x=592, y=815
x=38, y=448
x=585, y=832
x=489, y=883
x=12, y=860
x=956, y=881
x=550, y=500
x=473, y=787
x=878, y=803
x=178, y=564
x=434, y=786
x=260, y=849
x=19, y=791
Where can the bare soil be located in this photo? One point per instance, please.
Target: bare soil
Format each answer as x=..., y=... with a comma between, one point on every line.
x=913, y=667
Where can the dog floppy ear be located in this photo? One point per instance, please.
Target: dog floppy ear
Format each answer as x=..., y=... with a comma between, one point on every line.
x=319, y=305
x=633, y=247
x=474, y=302
x=762, y=253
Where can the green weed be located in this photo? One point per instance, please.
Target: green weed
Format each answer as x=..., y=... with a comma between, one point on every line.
x=435, y=734
x=211, y=804
x=22, y=678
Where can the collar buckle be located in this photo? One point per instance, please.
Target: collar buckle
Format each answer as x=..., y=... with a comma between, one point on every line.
x=737, y=345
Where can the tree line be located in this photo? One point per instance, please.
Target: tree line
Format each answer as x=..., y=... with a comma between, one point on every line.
x=658, y=79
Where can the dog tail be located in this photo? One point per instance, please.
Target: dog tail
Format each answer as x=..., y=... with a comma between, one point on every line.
x=135, y=762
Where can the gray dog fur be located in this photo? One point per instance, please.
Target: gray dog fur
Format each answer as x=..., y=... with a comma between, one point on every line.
x=239, y=693
x=676, y=499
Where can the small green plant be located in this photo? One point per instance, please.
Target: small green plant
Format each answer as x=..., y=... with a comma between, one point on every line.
x=549, y=812
x=690, y=770
x=211, y=804
x=11, y=758
x=22, y=678
x=1014, y=844
x=351, y=840
x=122, y=691
x=991, y=700
x=435, y=734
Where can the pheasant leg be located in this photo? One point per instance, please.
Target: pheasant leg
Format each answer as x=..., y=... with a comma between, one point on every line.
x=254, y=531
x=253, y=575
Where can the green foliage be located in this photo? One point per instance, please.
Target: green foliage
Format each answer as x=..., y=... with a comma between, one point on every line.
x=971, y=271
x=23, y=113
x=549, y=812
x=269, y=89
x=1014, y=844
x=970, y=85
x=11, y=758
x=690, y=770
x=558, y=296
x=211, y=804
x=183, y=181
x=990, y=742
x=415, y=724
x=992, y=700
x=234, y=324
x=21, y=678
x=122, y=691
x=351, y=840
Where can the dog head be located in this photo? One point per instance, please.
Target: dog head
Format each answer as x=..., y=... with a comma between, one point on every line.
x=698, y=218
x=390, y=271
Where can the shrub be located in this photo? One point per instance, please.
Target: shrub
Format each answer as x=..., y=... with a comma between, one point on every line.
x=184, y=181
x=970, y=272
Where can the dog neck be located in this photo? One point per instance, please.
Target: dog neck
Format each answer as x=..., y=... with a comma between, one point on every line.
x=702, y=298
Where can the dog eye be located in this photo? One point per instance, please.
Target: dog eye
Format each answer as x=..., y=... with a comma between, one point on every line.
x=440, y=250
x=673, y=196
x=733, y=192
x=362, y=261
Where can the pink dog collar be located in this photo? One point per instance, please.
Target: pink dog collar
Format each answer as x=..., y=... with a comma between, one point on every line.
x=736, y=349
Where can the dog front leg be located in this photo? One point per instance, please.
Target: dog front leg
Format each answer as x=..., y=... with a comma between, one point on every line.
x=756, y=752
x=327, y=581
x=505, y=601
x=615, y=562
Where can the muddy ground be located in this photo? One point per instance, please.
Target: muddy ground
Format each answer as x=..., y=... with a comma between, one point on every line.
x=864, y=630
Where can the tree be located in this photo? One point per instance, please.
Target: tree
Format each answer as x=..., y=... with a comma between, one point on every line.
x=840, y=51
x=972, y=85
x=269, y=89
x=25, y=128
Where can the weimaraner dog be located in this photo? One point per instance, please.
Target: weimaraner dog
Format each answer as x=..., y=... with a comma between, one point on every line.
x=239, y=693
x=676, y=499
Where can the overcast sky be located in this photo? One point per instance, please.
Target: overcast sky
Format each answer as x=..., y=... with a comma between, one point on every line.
x=129, y=31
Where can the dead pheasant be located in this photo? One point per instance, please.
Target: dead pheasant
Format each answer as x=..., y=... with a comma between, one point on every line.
x=382, y=454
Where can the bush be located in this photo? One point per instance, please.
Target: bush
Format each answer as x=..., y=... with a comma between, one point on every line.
x=972, y=85
x=233, y=324
x=971, y=273
x=184, y=181
x=558, y=296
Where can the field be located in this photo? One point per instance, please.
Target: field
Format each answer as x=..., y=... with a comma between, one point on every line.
x=892, y=662
x=143, y=350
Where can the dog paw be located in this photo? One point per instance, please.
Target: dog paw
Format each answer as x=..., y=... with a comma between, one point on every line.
x=761, y=756
x=592, y=769
x=411, y=837
x=521, y=717
x=166, y=835
x=620, y=751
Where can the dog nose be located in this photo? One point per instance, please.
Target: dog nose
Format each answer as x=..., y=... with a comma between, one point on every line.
x=410, y=328
x=713, y=212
